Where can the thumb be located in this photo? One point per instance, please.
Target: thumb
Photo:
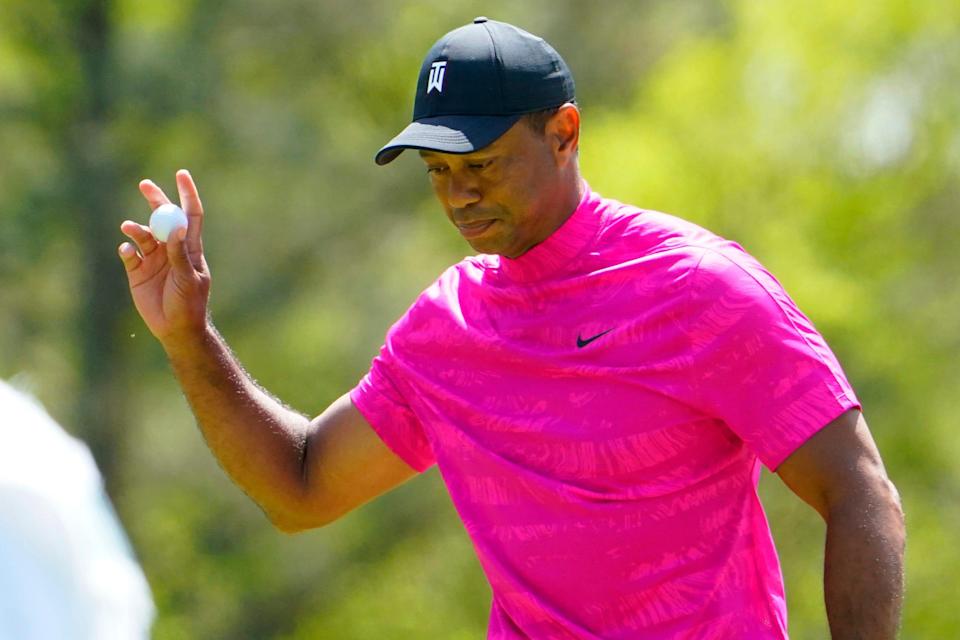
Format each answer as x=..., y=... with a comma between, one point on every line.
x=177, y=253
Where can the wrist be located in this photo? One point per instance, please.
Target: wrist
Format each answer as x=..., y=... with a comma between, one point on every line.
x=190, y=343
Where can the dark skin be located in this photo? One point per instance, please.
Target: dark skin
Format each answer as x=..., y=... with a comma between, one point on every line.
x=505, y=199
x=515, y=192
x=839, y=473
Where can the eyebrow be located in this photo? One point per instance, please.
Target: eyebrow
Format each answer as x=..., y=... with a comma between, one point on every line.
x=485, y=153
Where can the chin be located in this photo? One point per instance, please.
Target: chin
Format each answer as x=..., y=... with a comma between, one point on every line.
x=493, y=244
x=487, y=247
x=485, y=244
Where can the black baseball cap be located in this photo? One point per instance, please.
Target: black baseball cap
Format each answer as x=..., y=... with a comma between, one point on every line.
x=475, y=83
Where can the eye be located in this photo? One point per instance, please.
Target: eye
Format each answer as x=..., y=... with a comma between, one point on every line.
x=478, y=166
x=435, y=170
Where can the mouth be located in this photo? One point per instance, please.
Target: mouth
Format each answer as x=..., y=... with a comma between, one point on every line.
x=474, y=229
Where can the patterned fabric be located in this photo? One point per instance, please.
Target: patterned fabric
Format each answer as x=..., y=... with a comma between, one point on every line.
x=599, y=408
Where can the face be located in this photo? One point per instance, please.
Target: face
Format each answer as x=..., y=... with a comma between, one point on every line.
x=506, y=197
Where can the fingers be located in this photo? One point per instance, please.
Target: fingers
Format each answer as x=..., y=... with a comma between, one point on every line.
x=154, y=194
x=177, y=254
x=189, y=197
x=140, y=256
x=129, y=257
x=190, y=201
x=141, y=235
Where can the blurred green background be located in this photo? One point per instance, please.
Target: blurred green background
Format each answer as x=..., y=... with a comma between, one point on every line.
x=823, y=136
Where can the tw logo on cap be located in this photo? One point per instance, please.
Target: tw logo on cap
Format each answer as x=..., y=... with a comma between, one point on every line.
x=435, y=81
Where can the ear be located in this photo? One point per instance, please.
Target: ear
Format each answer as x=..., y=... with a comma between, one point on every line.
x=563, y=130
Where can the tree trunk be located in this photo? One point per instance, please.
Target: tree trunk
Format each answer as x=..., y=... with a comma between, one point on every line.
x=101, y=411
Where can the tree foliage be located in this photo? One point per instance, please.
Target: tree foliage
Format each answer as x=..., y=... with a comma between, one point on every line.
x=822, y=136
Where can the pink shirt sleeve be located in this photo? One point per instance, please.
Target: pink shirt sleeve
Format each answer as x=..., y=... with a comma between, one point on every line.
x=380, y=401
x=758, y=363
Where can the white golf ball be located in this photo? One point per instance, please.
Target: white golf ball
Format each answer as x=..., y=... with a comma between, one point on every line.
x=166, y=219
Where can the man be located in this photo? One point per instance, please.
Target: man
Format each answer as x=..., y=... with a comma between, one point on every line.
x=598, y=387
x=66, y=568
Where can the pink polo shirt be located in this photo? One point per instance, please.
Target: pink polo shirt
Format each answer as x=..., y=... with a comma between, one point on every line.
x=599, y=409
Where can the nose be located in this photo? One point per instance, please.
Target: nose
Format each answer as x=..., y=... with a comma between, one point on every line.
x=462, y=190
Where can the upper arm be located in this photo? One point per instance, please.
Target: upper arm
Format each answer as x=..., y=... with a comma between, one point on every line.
x=837, y=464
x=345, y=465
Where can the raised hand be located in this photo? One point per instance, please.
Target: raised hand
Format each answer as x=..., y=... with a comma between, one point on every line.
x=169, y=282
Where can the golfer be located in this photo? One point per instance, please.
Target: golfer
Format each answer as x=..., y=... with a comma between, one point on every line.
x=598, y=386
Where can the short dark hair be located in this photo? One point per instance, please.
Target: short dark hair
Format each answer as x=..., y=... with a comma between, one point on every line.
x=537, y=120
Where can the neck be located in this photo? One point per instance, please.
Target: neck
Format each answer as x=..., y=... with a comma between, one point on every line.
x=568, y=198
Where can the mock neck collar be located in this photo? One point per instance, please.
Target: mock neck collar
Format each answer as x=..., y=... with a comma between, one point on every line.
x=562, y=246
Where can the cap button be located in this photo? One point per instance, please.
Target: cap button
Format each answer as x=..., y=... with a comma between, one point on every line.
x=480, y=19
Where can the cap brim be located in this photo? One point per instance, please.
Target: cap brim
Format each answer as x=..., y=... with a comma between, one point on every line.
x=448, y=134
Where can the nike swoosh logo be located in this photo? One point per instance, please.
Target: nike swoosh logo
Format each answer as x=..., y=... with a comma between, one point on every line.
x=581, y=343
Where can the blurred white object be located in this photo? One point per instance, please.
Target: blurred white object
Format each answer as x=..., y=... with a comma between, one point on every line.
x=166, y=219
x=67, y=571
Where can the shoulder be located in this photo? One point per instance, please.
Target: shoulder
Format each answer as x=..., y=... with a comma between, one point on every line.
x=713, y=259
x=36, y=450
x=629, y=221
x=661, y=245
x=729, y=270
x=633, y=230
x=446, y=289
x=713, y=266
x=441, y=300
x=731, y=293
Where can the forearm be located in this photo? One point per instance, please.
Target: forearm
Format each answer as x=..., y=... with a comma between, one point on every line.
x=258, y=441
x=863, y=572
